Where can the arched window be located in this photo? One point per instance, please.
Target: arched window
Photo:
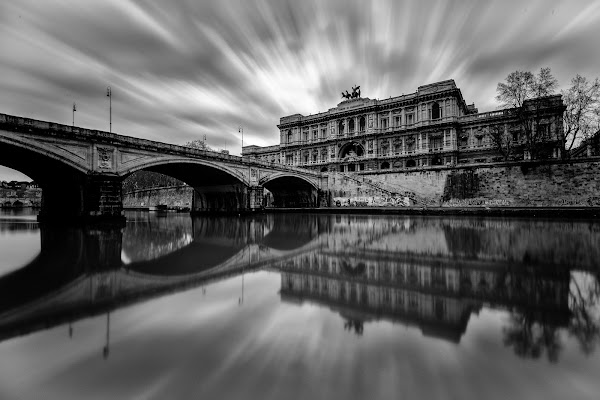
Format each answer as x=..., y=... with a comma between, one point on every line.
x=361, y=124
x=341, y=127
x=289, y=137
x=385, y=165
x=411, y=163
x=351, y=125
x=324, y=169
x=436, y=111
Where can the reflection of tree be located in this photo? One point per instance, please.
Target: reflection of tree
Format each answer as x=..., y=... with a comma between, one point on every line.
x=530, y=338
x=532, y=333
x=354, y=325
x=584, y=302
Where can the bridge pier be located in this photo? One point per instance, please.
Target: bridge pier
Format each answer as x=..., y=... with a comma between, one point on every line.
x=87, y=199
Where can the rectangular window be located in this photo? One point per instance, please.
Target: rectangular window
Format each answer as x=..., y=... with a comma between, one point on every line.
x=409, y=119
x=383, y=123
x=544, y=131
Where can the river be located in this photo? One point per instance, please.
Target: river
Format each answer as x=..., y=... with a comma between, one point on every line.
x=299, y=306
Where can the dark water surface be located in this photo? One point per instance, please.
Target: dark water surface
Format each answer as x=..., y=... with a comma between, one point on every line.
x=300, y=306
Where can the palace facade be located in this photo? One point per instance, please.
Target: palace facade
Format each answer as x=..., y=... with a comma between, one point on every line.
x=432, y=127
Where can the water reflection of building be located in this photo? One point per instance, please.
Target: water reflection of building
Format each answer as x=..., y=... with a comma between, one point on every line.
x=437, y=295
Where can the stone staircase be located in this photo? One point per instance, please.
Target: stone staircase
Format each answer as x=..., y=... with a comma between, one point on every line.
x=418, y=199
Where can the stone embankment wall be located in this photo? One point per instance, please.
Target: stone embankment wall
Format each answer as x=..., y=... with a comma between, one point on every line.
x=554, y=183
x=174, y=197
x=20, y=198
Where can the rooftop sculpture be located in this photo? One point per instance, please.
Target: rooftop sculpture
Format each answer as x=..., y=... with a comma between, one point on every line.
x=354, y=95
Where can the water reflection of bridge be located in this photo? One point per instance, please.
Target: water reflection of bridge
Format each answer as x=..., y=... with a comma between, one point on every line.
x=429, y=273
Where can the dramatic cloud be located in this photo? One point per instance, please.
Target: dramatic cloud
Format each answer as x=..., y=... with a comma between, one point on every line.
x=182, y=69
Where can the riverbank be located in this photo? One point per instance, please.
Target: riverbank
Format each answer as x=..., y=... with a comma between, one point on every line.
x=546, y=212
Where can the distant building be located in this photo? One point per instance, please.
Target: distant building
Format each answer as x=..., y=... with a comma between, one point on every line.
x=433, y=126
x=20, y=194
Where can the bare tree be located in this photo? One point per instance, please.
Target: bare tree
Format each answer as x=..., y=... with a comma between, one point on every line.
x=524, y=93
x=502, y=140
x=582, y=116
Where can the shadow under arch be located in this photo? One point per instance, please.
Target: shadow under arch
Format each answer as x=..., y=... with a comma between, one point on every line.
x=216, y=187
x=291, y=191
x=62, y=180
x=194, y=172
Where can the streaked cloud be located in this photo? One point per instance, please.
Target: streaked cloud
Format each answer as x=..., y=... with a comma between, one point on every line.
x=183, y=69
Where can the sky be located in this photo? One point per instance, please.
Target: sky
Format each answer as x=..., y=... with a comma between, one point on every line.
x=182, y=69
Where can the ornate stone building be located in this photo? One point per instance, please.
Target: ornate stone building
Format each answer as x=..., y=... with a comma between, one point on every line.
x=432, y=127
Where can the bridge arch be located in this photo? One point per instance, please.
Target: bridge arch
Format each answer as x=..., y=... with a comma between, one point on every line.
x=17, y=153
x=291, y=190
x=217, y=186
x=186, y=169
x=68, y=188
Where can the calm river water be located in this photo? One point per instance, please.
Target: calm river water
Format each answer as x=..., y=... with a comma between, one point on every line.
x=298, y=307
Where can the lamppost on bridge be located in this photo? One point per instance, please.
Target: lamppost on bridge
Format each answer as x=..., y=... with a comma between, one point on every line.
x=74, y=109
x=109, y=95
x=241, y=130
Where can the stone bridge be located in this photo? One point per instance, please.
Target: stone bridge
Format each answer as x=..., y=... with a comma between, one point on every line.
x=81, y=171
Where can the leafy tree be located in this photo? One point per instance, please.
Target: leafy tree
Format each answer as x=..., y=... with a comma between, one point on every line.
x=582, y=116
x=198, y=144
x=522, y=92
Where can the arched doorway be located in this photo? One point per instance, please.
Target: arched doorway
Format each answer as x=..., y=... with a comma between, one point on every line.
x=385, y=165
x=352, y=150
x=411, y=163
